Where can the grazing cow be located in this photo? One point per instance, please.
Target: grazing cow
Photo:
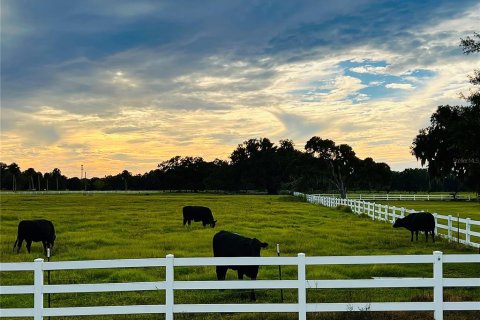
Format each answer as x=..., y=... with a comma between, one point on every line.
x=418, y=221
x=228, y=244
x=35, y=230
x=198, y=213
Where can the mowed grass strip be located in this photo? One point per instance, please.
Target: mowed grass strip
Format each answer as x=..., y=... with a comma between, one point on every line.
x=120, y=226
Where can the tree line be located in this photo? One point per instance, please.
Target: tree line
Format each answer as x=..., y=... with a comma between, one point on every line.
x=257, y=164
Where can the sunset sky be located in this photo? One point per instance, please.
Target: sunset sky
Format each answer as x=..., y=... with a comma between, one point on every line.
x=116, y=85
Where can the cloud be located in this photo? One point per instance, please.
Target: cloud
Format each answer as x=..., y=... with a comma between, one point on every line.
x=401, y=86
x=369, y=69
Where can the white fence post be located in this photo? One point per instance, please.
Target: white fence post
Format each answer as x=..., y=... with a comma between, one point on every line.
x=449, y=227
x=169, y=278
x=438, y=285
x=436, y=222
x=467, y=231
x=38, y=289
x=302, y=288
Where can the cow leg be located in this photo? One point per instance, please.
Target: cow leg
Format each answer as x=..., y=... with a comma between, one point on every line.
x=416, y=233
x=433, y=235
x=18, y=244
x=221, y=272
x=29, y=245
x=426, y=236
x=412, y=236
x=252, y=294
x=45, y=246
x=184, y=222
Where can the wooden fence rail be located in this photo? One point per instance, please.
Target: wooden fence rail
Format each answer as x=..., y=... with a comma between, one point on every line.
x=169, y=285
x=453, y=228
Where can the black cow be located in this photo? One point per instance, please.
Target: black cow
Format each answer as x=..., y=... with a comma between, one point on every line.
x=198, y=213
x=228, y=244
x=35, y=230
x=418, y=221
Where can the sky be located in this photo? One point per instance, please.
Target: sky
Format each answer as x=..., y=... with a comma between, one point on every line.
x=119, y=85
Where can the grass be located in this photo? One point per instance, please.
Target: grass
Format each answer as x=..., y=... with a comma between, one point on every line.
x=119, y=226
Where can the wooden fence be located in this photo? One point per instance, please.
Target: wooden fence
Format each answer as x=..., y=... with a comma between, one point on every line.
x=437, y=282
x=453, y=228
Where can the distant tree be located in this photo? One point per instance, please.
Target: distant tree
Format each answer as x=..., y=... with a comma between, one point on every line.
x=30, y=173
x=339, y=161
x=256, y=166
x=3, y=175
x=14, y=171
x=46, y=177
x=183, y=173
x=56, y=174
x=371, y=175
x=126, y=176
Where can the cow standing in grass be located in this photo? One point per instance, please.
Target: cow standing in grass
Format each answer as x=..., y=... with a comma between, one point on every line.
x=35, y=230
x=228, y=244
x=198, y=213
x=418, y=221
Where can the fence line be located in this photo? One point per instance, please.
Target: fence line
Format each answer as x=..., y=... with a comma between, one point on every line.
x=454, y=225
x=302, y=284
x=402, y=197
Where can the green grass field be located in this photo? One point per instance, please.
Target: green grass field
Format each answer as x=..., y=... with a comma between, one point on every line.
x=119, y=226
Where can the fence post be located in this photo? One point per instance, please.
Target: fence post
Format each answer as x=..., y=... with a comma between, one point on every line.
x=467, y=231
x=302, y=288
x=38, y=289
x=438, y=285
x=169, y=278
x=436, y=222
x=449, y=227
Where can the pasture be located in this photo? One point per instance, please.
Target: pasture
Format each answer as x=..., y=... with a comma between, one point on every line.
x=120, y=226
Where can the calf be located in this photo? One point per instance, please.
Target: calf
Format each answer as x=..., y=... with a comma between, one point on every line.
x=35, y=230
x=228, y=244
x=198, y=213
x=418, y=221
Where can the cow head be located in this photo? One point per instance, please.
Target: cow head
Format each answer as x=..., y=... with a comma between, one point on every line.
x=212, y=224
x=256, y=245
x=398, y=223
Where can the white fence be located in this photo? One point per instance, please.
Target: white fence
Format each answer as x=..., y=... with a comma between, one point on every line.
x=452, y=228
x=401, y=197
x=301, y=284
